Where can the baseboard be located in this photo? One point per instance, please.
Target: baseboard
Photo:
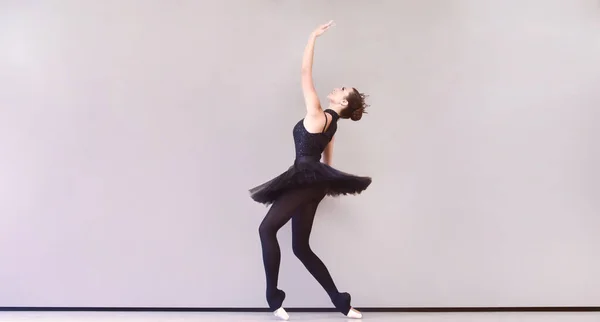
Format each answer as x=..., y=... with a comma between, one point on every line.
x=292, y=309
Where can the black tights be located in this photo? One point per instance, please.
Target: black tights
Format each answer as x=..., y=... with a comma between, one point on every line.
x=300, y=205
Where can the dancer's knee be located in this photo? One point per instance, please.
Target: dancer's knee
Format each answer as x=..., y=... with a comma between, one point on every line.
x=265, y=230
x=302, y=250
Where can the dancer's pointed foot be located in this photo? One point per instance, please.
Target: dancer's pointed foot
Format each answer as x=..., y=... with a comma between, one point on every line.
x=341, y=301
x=275, y=299
x=281, y=314
x=354, y=314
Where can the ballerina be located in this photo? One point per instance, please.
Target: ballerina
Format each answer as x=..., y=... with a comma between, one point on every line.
x=296, y=193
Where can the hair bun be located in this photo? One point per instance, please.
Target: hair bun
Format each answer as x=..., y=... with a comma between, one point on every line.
x=357, y=114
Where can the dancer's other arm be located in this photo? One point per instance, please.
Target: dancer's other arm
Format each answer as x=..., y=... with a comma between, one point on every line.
x=313, y=107
x=328, y=152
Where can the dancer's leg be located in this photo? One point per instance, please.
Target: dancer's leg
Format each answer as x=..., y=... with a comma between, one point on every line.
x=278, y=215
x=302, y=223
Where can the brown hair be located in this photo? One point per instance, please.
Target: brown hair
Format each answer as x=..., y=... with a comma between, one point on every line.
x=356, y=106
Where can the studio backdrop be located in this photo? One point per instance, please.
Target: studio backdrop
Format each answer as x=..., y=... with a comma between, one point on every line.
x=131, y=131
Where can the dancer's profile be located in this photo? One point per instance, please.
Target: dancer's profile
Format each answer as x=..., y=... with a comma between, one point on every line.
x=296, y=193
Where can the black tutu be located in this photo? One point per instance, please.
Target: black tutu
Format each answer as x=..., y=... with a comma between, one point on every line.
x=309, y=172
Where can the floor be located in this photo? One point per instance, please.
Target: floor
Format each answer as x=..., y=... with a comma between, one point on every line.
x=305, y=317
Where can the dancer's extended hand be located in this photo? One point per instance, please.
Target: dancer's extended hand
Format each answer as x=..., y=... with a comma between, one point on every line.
x=322, y=28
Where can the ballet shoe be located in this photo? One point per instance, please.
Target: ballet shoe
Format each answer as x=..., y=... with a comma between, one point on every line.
x=281, y=314
x=354, y=314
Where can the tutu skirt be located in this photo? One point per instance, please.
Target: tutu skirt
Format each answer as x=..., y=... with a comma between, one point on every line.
x=306, y=172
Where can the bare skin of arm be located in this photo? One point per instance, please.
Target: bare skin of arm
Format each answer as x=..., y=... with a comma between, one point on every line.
x=315, y=118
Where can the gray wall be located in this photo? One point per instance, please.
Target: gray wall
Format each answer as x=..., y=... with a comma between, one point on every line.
x=131, y=130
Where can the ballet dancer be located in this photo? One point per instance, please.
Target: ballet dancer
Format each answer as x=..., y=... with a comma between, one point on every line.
x=296, y=193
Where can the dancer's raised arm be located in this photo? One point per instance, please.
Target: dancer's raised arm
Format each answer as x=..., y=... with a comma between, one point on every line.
x=313, y=106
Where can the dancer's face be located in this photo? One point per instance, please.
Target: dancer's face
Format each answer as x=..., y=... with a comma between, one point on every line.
x=339, y=95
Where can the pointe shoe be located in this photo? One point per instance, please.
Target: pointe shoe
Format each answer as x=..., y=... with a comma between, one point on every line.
x=282, y=314
x=354, y=314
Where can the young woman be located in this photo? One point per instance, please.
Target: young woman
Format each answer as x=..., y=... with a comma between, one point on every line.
x=296, y=193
